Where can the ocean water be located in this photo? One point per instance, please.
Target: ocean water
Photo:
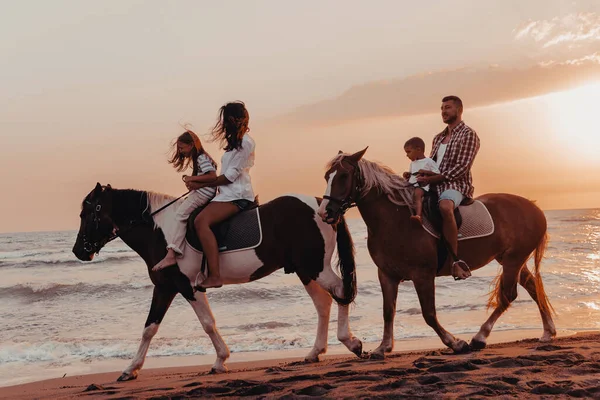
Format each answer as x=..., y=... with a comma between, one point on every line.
x=56, y=311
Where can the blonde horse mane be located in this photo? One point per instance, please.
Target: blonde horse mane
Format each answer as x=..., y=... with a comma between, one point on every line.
x=379, y=176
x=166, y=217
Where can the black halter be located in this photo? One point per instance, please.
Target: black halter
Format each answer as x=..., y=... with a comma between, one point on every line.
x=350, y=200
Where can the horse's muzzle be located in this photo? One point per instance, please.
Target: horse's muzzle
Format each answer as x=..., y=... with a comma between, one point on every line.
x=82, y=254
x=331, y=218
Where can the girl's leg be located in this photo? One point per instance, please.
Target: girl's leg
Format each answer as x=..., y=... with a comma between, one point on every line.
x=214, y=213
x=176, y=244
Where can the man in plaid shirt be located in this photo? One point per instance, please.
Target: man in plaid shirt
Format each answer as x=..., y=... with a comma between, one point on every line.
x=454, y=150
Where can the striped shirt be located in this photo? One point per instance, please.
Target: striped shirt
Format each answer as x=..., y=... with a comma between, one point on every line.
x=206, y=165
x=458, y=159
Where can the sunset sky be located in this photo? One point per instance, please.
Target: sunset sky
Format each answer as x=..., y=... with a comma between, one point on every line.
x=96, y=91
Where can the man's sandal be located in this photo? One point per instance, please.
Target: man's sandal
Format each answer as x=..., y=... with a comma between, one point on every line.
x=463, y=271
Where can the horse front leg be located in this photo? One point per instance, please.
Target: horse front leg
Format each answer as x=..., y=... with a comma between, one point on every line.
x=389, y=290
x=205, y=315
x=161, y=301
x=425, y=287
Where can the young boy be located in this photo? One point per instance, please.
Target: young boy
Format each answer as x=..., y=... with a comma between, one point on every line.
x=415, y=151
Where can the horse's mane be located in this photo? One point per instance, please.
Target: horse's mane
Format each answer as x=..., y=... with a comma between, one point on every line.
x=382, y=178
x=166, y=217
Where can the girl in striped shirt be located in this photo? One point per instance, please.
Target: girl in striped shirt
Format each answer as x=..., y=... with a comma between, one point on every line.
x=188, y=150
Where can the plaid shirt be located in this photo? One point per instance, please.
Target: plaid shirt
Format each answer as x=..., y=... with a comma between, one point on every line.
x=458, y=159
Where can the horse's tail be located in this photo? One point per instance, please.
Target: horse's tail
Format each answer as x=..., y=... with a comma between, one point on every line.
x=346, y=265
x=543, y=301
x=497, y=297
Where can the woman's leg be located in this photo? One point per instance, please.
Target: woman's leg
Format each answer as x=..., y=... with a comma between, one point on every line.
x=214, y=213
x=177, y=242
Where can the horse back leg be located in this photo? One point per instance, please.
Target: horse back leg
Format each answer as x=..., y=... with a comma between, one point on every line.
x=389, y=290
x=207, y=319
x=322, y=301
x=527, y=280
x=502, y=296
x=161, y=301
x=319, y=291
x=425, y=287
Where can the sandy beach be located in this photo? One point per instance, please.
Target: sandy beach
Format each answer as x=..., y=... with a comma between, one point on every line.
x=569, y=367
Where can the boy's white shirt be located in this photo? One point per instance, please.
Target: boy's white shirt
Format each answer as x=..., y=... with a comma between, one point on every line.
x=425, y=163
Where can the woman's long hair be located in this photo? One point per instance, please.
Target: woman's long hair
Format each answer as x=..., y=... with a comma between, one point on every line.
x=180, y=161
x=232, y=125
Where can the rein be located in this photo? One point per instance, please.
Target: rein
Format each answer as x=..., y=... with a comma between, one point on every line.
x=132, y=224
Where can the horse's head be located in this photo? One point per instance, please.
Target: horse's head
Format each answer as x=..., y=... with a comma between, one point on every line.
x=97, y=226
x=343, y=186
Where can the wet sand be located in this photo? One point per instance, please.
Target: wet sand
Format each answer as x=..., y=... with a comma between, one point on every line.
x=568, y=367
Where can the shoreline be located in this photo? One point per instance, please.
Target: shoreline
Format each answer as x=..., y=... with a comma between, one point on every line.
x=105, y=372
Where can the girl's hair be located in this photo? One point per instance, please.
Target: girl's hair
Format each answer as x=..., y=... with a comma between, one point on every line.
x=232, y=125
x=181, y=162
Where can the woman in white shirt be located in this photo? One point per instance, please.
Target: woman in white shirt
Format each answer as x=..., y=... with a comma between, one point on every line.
x=234, y=184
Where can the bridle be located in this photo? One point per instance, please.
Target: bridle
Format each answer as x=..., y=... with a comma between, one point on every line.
x=94, y=247
x=353, y=196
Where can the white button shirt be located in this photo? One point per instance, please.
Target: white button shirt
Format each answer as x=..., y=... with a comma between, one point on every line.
x=235, y=165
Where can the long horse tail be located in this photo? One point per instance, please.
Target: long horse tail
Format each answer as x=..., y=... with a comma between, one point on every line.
x=346, y=264
x=543, y=301
x=497, y=297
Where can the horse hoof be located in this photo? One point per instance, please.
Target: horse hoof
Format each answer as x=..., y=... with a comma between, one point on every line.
x=461, y=347
x=358, y=350
x=546, y=338
x=214, y=371
x=477, y=344
x=311, y=360
x=377, y=356
x=127, y=377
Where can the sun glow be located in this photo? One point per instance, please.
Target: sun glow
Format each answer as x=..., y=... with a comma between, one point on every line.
x=575, y=114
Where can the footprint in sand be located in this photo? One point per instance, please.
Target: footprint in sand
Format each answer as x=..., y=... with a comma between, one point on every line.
x=314, y=390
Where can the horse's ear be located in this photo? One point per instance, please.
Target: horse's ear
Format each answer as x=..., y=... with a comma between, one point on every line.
x=98, y=189
x=340, y=152
x=358, y=155
x=108, y=187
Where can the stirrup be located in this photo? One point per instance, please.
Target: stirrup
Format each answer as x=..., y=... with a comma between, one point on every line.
x=463, y=265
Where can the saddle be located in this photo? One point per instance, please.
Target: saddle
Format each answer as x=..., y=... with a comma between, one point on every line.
x=242, y=231
x=431, y=210
x=473, y=220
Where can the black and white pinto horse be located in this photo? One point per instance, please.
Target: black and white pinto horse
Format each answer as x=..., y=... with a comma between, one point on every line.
x=293, y=237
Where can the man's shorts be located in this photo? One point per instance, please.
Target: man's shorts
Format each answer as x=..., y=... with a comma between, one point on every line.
x=454, y=195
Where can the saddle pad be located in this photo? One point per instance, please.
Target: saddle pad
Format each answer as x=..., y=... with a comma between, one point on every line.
x=476, y=222
x=241, y=232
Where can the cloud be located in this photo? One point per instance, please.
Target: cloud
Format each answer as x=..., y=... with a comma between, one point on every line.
x=590, y=58
x=421, y=94
x=581, y=29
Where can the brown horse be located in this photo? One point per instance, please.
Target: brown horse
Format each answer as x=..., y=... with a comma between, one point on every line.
x=403, y=251
x=293, y=238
